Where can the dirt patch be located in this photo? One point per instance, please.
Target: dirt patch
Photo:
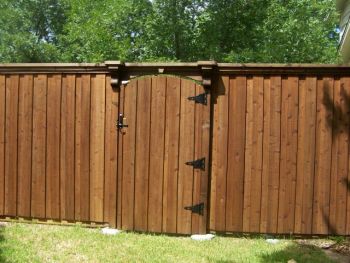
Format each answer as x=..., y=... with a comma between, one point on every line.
x=338, y=251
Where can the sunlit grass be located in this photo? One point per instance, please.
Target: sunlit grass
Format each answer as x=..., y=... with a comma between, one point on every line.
x=45, y=243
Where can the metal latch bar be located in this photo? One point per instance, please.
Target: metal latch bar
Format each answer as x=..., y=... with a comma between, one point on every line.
x=197, y=164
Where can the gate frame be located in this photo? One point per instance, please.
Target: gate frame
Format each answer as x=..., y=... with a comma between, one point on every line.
x=203, y=72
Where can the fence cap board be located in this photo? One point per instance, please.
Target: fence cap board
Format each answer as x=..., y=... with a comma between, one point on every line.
x=175, y=68
x=300, y=69
x=53, y=68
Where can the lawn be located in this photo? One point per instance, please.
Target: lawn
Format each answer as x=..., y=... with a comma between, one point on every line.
x=47, y=243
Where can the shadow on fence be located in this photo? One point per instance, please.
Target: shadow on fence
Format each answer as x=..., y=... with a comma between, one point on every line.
x=338, y=120
x=338, y=116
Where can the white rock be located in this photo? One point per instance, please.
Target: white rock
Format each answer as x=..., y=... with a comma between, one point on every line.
x=110, y=231
x=272, y=241
x=202, y=237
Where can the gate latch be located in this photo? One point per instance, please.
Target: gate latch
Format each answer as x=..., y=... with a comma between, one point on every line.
x=197, y=164
x=196, y=209
x=121, y=123
x=201, y=98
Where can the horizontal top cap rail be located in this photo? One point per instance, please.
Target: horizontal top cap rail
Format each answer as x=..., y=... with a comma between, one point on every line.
x=53, y=68
x=251, y=68
x=174, y=67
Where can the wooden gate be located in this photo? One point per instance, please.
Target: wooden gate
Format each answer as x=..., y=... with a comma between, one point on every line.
x=164, y=129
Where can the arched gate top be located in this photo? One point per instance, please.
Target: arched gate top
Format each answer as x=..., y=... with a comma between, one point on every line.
x=202, y=71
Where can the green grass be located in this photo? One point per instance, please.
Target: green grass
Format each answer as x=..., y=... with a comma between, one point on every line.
x=45, y=243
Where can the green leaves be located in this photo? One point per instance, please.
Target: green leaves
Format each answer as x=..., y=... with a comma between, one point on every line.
x=282, y=31
x=297, y=31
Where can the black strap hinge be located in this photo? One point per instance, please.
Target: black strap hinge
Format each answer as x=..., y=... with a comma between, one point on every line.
x=201, y=98
x=196, y=209
x=197, y=164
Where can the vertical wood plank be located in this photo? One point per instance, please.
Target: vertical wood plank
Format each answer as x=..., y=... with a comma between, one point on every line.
x=288, y=161
x=120, y=161
x=25, y=135
x=12, y=86
x=196, y=195
x=171, y=154
x=2, y=140
x=129, y=139
x=142, y=162
x=205, y=151
x=340, y=151
x=306, y=155
x=219, y=157
x=97, y=140
x=186, y=154
x=200, y=183
x=156, y=170
x=271, y=154
x=323, y=156
x=253, y=164
x=346, y=182
x=111, y=148
x=53, y=147
x=236, y=145
x=39, y=147
x=82, y=148
x=248, y=157
x=67, y=147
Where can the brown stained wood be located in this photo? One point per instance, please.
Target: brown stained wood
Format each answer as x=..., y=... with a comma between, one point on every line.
x=97, y=142
x=303, y=161
x=128, y=173
x=271, y=154
x=143, y=153
x=2, y=140
x=39, y=147
x=253, y=164
x=82, y=148
x=196, y=195
x=205, y=151
x=236, y=144
x=346, y=182
x=171, y=154
x=67, y=148
x=156, y=171
x=288, y=161
x=266, y=161
x=25, y=136
x=323, y=156
x=186, y=154
x=120, y=160
x=340, y=158
x=219, y=157
x=111, y=151
x=306, y=155
x=12, y=87
x=248, y=156
x=200, y=182
x=53, y=147
x=258, y=107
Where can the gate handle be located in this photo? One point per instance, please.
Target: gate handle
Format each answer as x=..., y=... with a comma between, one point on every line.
x=121, y=122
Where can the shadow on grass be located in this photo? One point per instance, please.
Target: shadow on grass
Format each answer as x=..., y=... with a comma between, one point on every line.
x=299, y=253
x=2, y=239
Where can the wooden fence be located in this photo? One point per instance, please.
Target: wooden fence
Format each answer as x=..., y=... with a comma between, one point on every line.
x=281, y=154
x=278, y=160
x=57, y=138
